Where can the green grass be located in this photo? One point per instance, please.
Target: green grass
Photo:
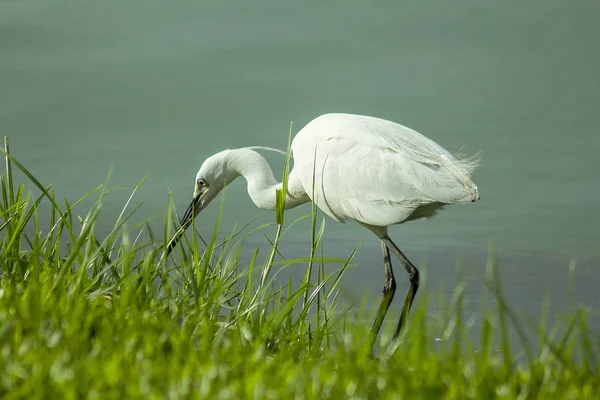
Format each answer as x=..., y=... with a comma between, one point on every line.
x=83, y=316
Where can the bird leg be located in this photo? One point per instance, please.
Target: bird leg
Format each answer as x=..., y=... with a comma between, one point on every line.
x=389, y=288
x=413, y=276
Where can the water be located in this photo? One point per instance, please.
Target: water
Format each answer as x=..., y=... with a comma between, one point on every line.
x=152, y=87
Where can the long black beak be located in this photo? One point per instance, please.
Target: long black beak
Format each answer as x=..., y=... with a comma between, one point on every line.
x=189, y=214
x=185, y=222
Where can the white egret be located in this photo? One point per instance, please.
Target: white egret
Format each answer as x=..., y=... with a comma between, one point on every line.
x=353, y=167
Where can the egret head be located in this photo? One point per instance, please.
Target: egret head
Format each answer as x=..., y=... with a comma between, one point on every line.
x=214, y=174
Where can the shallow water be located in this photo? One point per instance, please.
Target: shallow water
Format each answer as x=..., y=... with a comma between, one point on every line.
x=151, y=87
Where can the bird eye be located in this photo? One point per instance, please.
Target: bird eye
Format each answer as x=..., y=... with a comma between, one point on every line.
x=201, y=182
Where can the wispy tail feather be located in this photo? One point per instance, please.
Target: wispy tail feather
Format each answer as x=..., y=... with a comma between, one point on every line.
x=468, y=164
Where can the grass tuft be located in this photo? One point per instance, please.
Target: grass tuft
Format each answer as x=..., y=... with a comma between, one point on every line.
x=88, y=316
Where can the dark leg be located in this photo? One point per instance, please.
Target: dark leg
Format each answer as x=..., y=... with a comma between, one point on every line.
x=389, y=287
x=413, y=276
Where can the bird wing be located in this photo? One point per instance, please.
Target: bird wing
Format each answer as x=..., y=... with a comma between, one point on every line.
x=376, y=171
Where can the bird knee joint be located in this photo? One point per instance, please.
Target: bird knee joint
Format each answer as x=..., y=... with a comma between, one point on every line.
x=389, y=286
x=414, y=277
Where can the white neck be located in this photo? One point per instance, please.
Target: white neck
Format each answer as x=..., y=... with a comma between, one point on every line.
x=262, y=186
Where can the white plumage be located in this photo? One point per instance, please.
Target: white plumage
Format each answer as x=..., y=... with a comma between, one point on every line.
x=353, y=167
x=377, y=172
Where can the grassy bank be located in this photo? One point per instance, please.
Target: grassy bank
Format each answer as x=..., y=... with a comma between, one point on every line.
x=107, y=317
